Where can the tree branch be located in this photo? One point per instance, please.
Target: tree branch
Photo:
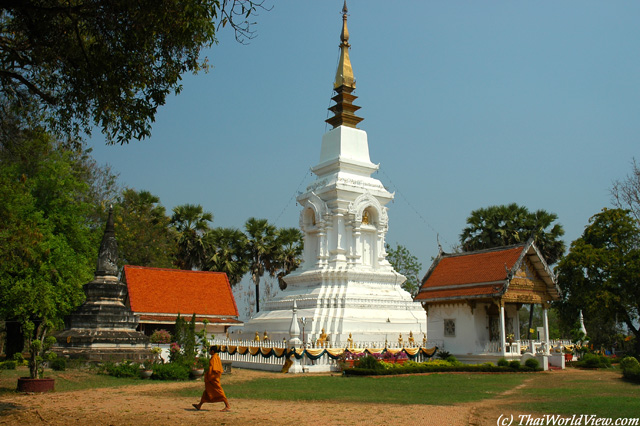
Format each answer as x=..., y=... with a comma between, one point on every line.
x=32, y=87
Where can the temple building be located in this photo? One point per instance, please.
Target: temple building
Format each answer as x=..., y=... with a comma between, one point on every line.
x=345, y=284
x=103, y=327
x=158, y=295
x=472, y=301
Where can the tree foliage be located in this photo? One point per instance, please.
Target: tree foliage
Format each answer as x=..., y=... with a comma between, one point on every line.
x=48, y=245
x=142, y=230
x=407, y=264
x=601, y=276
x=191, y=223
x=108, y=63
x=226, y=251
x=625, y=193
x=261, y=247
x=505, y=225
x=289, y=248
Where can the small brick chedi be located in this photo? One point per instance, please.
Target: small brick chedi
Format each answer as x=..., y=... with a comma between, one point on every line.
x=103, y=327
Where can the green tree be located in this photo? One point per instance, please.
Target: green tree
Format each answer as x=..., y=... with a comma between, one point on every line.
x=191, y=223
x=261, y=244
x=601, y=275
x=108, y=63
x=505, y=225
x=625, y=193
x=47, y=247
x=407, y=264
x=226, y=251
x=289, y=246
x=143, y=232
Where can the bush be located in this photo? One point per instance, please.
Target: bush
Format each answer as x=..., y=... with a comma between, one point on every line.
x=594, y=361
x=368, y=362
x=8, y=365
x=515, y=364
x=630, y=369
x=629, y=363
x=18, y=358
x=532, y=363
x=443, y=354
x=58, y=364
x=123, y=369
x=452, y=360
x=170, y=371
x=160, y=336
x=502, y=362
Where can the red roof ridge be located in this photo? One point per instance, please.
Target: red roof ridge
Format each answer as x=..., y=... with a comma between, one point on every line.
x=173, y=269
x=487, y=250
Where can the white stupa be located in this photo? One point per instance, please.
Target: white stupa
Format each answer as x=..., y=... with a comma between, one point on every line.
x=345, y=284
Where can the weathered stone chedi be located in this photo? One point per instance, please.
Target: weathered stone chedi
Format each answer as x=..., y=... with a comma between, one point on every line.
x=103, y=327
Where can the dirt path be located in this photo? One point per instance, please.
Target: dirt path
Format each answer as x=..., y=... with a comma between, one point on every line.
x=159, y=404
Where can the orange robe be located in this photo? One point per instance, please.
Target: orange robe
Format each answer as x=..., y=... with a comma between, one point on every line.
x=213, y=390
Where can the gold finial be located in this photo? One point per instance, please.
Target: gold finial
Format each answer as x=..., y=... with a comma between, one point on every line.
x=344, y=73
x=344, y=84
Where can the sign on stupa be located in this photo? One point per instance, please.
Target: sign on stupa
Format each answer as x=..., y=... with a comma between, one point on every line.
x=345, y=284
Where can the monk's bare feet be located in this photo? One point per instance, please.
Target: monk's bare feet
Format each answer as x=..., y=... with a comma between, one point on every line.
x=196, y=406
x=225, y=409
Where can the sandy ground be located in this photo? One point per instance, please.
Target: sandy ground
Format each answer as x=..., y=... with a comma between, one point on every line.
x=159, y=404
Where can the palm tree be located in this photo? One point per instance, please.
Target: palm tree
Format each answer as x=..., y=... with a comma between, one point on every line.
x=289, y=244
x=262, y=251
x=226, y=251
x=505, y=225
x=191, y=223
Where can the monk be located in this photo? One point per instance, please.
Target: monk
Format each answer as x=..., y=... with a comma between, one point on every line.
x=213, y=390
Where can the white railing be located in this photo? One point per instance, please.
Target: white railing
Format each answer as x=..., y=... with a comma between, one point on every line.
x=242, y=356
x=521, y=346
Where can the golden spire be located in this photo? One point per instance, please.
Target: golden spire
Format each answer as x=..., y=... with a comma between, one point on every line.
x=344, y=83
x=344, y=73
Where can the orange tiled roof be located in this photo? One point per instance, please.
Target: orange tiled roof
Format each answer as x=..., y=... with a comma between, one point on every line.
x=173, y=291
x=172, y=318
x=459, y=272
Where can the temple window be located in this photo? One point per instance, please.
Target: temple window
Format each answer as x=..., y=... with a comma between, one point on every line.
x=450, y=328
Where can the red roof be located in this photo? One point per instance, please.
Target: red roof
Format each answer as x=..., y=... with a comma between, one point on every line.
x=173, y=291
x=459, y=272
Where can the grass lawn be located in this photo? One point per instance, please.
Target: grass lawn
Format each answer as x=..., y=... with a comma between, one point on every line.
x=434, y=389
x=601, y=392
x=71, y=379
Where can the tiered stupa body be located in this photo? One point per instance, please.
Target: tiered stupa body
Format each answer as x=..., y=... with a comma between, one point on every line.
x=345, y=284
x=103, y=327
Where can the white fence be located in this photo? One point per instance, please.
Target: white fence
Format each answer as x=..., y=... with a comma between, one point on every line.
x=271, y=355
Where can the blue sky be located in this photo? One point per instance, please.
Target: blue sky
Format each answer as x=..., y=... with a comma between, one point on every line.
x=466, y=104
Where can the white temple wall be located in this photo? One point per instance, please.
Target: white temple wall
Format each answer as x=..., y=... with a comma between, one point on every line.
x=472, y=329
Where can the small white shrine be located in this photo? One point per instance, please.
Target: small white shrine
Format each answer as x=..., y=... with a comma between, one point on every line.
x=345, y=285
x=473, y=298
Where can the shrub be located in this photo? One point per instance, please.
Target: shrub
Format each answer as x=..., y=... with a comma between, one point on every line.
x=8, y=365
x=160, y=336
x=515, y=364
x=628, y=363
x=502, y=362
x=170, y=371
x=630, y=369
x=18, y=358
x=452, y=360
x=532, y=363
x=594, y=361
x=123, y=369
x=58, y=364
x=443, y=354
x=368, y=362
